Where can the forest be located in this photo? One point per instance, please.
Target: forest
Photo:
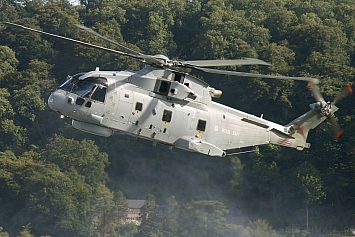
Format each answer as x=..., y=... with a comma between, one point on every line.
x=58, y=181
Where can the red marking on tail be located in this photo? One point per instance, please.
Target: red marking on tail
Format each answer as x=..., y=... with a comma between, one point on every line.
x=309, y=84
x=349, y=88
x=302, y=130
x=339, y=134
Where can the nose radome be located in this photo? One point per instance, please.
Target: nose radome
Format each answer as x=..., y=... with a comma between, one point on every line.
x=56, y=100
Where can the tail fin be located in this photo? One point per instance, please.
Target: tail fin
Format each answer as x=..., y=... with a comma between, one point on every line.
x=300, y=127
x=295, y=133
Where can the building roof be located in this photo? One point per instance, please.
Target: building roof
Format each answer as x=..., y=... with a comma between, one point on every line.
x=135, y=204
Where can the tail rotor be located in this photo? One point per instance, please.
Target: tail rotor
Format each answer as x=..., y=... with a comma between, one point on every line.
x=327, y=109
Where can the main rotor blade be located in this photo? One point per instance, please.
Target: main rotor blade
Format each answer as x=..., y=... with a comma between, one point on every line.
x=107, y=39
x=75, y=41
x=215, y=63
x=245, y=74
x=315, y=92
x=344, y=93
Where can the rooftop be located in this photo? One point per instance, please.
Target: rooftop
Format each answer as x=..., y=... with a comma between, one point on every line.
x=135, y=204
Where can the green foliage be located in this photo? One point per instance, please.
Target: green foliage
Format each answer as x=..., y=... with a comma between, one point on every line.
x=8, y=61
x=2, y=233
x=109, y=212
x=237, y=170
x=150, y=225
x=83, y=158
x=128, y=230
x=203, y=218
x=43, y=195
x=13, y=136
x=260, y=228
x=6, y=110
x=149, y=25
x=26, y=232
x=307, y=183
x=28, y=46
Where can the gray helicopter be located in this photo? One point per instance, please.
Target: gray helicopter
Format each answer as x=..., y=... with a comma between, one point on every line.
x=166, y=106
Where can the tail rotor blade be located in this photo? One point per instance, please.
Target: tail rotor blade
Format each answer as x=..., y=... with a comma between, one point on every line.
x=347, y=90
x=315, y=91
x=338, y=131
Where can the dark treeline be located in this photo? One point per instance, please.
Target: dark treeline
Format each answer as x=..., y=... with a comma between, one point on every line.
x=56, y=181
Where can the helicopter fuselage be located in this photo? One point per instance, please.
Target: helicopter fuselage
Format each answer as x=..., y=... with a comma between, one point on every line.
x=163, y=106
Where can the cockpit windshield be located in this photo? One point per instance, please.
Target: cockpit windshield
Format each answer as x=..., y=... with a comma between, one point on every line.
x=92, y=87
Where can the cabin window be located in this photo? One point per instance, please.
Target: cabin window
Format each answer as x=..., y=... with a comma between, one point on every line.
x=167, y=115
x=139, y=106
x=201, y=125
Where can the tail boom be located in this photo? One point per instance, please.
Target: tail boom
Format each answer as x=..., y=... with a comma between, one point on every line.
x=295, y=133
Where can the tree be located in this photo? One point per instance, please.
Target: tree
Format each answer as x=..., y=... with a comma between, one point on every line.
x=222, y=30
x=27, y=45
x=150, y=224
x=14, y=136
x=8, y=62
x=279, y=21
x=110, y=210
x=122, y=208
x=307, y=185
x=9, y=12
x=149, y=25
x=202, y=218
x=260, y=228
x=55, y=203
x=2, y=233
x=308, y=38
x=82, y=157
x=237, y=167
x=106, y=211
x=26, y=232
x=171, y=214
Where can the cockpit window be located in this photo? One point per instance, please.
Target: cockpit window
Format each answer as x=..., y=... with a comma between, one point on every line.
x=92, y=87
x=99, y=93
x=69, y=82
x=83, y=88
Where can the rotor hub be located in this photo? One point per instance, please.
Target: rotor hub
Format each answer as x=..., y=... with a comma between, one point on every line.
x=326, y=108
x=162, y=59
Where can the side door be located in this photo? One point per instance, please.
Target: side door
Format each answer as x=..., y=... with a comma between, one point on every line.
x=110, y=108
x=125, y=107
x=139, y=108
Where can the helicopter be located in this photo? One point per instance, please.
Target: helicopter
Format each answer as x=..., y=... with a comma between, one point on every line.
x=166, y=106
